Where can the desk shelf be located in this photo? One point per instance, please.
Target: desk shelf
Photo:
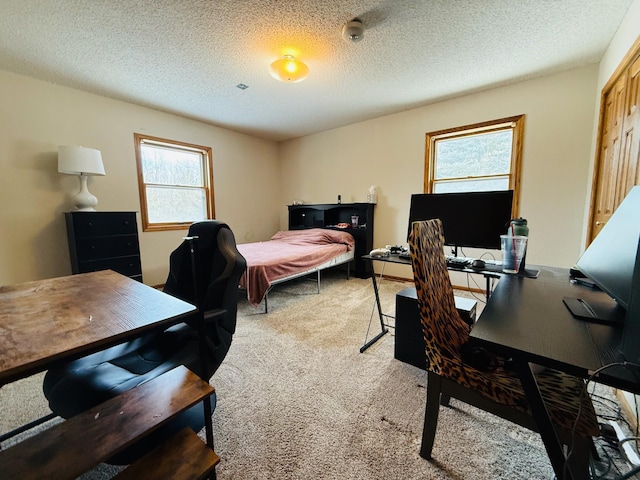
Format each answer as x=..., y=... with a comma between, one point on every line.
x=80, y=443
x=182, y=456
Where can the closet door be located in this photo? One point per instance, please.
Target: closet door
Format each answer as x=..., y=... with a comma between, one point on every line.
x=617, y=165
x=628, y=174
x=609, y=156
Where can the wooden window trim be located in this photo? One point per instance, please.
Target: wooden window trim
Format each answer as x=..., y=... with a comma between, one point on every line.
x=139, y=139
x=516, y=122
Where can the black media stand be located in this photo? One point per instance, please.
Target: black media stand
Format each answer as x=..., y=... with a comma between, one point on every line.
x=409, y=346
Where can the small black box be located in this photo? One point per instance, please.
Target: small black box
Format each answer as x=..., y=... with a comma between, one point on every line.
x=409, y=340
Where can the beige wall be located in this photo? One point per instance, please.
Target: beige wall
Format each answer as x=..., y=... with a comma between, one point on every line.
x=627, y=33
x=389, y=152
x=36, y=117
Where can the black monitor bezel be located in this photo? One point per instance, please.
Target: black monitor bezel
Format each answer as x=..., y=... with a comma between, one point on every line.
x=610, y=259
x=467, y=220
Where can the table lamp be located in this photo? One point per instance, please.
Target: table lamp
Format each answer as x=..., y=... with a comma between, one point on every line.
x=83, y=162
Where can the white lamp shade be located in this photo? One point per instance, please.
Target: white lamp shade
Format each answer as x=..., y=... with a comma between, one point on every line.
x=79, y=160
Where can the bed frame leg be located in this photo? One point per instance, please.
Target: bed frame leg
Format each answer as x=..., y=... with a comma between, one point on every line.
x=318, y=281
x=266, y=302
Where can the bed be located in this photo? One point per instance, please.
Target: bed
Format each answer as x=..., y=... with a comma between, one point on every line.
x=292, y=254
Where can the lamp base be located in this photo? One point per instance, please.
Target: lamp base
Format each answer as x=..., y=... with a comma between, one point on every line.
x=81, y=208
x=84, y=200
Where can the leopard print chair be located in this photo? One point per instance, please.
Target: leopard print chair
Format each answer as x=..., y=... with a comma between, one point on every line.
x=498, y=389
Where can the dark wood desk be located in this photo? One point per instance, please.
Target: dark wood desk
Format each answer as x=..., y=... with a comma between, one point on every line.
x=527, y=320
x=57, y=319
x=490, y=272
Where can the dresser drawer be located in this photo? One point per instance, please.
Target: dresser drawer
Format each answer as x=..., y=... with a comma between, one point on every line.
x=97, y=248
x=104, y=241
x=90, y=224
x=129, y=266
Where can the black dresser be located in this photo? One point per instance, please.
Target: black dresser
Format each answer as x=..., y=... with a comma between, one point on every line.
x=104, y=241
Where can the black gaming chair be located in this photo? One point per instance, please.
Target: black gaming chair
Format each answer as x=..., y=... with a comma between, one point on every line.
x=205, y=270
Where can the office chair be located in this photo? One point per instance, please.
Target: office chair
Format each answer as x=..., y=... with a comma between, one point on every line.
x=204, y=270
x=480, y=378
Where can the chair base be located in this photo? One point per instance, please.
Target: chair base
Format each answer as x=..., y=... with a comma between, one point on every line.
x=439, y=392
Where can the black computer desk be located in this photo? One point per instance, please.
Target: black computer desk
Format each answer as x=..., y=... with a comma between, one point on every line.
x=528, y=321
x=489, y=271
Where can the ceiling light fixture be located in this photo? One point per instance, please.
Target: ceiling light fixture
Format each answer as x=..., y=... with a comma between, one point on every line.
x=288, y=69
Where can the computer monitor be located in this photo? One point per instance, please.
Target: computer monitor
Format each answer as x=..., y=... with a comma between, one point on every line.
x=610, y=259
x=471, y=219
x=631, y=336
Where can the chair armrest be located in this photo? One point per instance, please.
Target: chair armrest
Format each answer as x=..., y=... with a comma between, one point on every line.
x=214, y=315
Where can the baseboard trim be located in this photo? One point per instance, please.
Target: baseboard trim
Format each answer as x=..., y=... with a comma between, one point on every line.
x=628, y=411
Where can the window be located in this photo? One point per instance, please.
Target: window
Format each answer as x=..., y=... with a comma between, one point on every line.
x=481, y=157
x=175, y=181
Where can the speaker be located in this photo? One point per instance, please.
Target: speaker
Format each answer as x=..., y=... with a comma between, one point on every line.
x=409, y=344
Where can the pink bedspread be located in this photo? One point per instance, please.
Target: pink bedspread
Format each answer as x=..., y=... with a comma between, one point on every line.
x=286, y=254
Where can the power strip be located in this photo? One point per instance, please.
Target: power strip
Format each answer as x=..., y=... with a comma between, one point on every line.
x=628, y=450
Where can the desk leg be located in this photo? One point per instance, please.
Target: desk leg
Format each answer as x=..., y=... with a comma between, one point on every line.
x=488, y=278
x=487, y=292
x=541, y=416
x=383, y=328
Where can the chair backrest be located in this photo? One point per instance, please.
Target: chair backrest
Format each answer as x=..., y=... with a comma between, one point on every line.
x=218, y=268
x=444, y=330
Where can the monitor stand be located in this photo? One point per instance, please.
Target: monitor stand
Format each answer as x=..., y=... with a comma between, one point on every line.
x=594, y=311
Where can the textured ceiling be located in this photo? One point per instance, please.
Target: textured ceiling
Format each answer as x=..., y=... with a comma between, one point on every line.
x=188, y=56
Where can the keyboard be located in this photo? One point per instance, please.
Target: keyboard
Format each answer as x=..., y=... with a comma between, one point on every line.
x=404, y=255
x=457, y=262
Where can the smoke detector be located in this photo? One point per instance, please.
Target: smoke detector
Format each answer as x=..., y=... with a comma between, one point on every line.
x=353, y=31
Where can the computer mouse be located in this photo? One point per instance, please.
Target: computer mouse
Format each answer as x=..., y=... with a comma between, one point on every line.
x=477, y=263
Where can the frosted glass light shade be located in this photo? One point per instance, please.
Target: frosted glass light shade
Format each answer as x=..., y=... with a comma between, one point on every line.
x=83, y=162
x=289, y=69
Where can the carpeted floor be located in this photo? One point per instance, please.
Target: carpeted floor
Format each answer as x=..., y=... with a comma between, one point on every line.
x=297, y=400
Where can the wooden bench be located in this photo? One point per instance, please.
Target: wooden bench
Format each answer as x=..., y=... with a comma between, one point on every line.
x=80, y=443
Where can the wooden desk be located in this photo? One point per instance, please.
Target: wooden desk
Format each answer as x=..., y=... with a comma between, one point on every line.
x=63, y=318
x=527, y=320
x=59, y=319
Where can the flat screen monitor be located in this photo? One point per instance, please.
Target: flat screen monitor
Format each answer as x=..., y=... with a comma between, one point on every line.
x=610, y=259
x=471, y=219
x=631, y=337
